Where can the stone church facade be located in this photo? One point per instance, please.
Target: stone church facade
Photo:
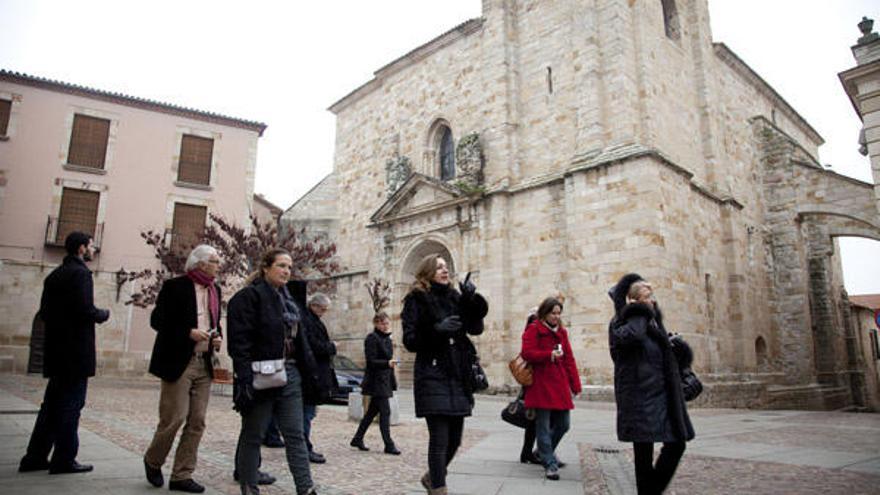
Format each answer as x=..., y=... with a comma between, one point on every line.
x=554, y=146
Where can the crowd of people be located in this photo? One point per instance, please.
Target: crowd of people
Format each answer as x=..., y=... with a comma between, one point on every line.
x=282, y=361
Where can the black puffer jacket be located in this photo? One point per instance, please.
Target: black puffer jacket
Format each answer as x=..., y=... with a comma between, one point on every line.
x=442, y=360
x=647, y=384
x=379, y=380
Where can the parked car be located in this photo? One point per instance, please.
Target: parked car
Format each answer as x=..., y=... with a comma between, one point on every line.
x=349, y=375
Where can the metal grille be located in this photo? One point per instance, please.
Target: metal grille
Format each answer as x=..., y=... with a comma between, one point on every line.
x=79, y=212
x=188, y=225
x=195, y=160
x=88, y=141
x=5, y=110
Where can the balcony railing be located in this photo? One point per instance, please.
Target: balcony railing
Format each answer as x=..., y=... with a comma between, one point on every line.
x=57, y=230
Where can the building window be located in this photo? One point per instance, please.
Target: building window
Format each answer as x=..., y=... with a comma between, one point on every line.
x=447, y=154
x=88, y=141
x=5, y=112
x=670, y=19
x=188, y=226
x=195, y=160
x=79, y=212
x=761, y=352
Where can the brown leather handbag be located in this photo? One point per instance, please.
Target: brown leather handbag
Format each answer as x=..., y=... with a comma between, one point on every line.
x=521, y=370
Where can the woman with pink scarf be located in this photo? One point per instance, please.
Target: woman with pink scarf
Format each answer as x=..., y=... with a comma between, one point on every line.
x=187, y=323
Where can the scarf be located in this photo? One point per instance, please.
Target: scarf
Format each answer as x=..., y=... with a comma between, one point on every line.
x=289, y=312
x=206, y=281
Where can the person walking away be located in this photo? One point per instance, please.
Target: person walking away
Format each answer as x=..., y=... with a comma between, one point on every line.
x=545, y=345
x=437, y=320
x=379, y=383
x=647, y=385
x=68, y=310
x=187, y=323
x=263, y=323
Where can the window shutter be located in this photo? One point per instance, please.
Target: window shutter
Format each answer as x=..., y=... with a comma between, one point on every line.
x=188, y=225
x=195, y=160
x=79, y=212
x=5, y=111
x=88, y=141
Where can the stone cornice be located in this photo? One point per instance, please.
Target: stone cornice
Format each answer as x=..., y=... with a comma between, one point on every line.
x=849, y=77
x=733, y=61
x=419, y=53
x=618, y=155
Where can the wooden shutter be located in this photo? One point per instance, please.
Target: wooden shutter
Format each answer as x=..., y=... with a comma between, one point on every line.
x=88, y=141
x=79, y=212
x=188, y=225
x=195, y=160
x=5, y=110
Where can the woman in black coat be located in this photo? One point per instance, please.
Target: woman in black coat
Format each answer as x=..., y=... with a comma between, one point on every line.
x=379, y=383
x=436, y=322
x=263, y=324
x=647, y=385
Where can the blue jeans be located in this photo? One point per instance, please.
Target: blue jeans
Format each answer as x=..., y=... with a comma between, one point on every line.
x=287, y=407
x=550, y=426
x=309, y=413
x=58, y=422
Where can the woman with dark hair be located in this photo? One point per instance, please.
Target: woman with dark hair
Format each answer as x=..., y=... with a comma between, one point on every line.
x=436, y=322
x=263, y=323
x=647, y=384
x=546, y=347
x=379, y=383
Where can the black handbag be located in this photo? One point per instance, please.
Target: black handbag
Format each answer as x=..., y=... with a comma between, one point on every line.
x=516, y=413
x=479, y=381
x=691, y=387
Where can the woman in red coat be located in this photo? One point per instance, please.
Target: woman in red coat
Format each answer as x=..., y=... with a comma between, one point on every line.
x=555, y=378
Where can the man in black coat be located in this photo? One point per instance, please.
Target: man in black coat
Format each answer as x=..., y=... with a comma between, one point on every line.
x=316, y=366
x=68, y=310
x=187, y=323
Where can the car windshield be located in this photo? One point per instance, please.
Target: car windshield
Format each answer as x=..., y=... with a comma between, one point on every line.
x=344, y=363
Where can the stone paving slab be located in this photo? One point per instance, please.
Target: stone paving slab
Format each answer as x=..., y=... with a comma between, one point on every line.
x=736, y=451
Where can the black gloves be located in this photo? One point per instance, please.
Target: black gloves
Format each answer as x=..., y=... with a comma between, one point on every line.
x=467, y=288
x=242, y=397
x=242, y=388
x=102, y=315
x=450, y=324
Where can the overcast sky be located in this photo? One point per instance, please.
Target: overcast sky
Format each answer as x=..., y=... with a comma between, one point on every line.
x=285, y=62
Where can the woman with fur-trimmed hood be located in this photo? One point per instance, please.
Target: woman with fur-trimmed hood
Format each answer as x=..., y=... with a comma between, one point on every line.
x=647, y=384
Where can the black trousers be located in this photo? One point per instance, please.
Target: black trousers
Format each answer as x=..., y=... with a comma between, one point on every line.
x=444, y=437
x=652, y=479
x=529, y=435
x=380, y=406
x=57, y=423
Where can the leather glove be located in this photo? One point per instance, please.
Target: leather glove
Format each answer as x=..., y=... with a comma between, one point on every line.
x=450, y=324
x=102, y=315
x=467, y=288
x=242, y=388
x=242, y=396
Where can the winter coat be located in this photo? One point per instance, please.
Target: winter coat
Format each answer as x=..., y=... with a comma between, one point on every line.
x=175, y=314
x=379, y=380
x=256, y=330
x=319, y=378
x=68, y=310
x=647, y=384
x=553, y=381
x=443, y=361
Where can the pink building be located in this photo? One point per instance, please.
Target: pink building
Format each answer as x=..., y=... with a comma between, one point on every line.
x=76, y=158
